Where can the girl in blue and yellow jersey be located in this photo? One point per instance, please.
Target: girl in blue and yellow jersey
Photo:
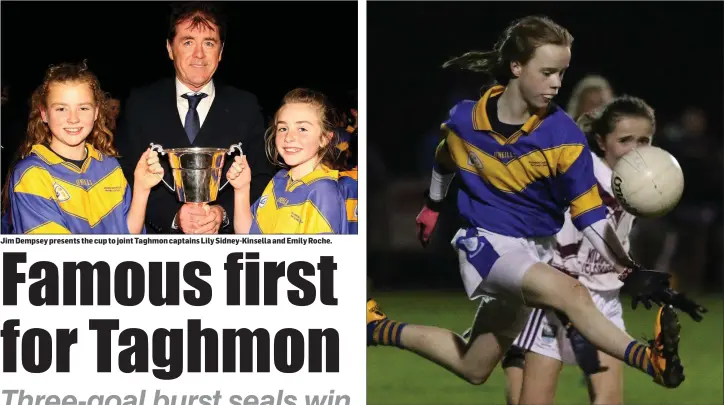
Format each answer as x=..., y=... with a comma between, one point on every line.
x=522, y=162
x=304, y=197
x=68, y=180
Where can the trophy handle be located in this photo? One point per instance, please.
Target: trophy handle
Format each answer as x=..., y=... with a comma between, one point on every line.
x=231, y=151
x=159, y=149
x=235, y=146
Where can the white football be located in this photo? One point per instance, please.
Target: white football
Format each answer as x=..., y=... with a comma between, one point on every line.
x=647, y=182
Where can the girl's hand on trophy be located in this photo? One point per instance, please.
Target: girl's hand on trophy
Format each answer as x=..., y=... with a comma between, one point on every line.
x=239, y=174
x=148, y=171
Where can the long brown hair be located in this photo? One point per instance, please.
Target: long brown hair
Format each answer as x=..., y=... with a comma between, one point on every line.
x=517, y=44
x=38, y=132
x=327, y=118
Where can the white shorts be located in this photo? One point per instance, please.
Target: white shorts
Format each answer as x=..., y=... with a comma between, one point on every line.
x=544, y=334
x=492, y=267
x=493, y=264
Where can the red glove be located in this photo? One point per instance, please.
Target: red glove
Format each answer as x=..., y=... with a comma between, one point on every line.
x=426, y=220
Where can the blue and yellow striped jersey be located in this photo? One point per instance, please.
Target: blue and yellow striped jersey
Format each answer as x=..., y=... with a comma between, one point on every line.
x=51, y=196
x=520, y=186
x=348, y=185
x=311, y=205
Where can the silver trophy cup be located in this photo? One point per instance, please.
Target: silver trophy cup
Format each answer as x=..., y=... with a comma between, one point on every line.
x=196, y=171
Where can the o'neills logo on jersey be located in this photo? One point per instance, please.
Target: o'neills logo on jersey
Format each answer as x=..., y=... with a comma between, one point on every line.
x=616, y=186
x=60, y=193
x=263, y=200
x=504, y=155
x=474, y=161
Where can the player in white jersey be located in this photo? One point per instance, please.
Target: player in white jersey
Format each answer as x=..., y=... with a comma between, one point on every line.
x=533, y=364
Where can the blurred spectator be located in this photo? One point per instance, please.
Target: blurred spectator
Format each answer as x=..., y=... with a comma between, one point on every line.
x=114, y=109
x=690, y=228
x=15, y=114
x=588, y=94
x=347, y=132
x=9, y=145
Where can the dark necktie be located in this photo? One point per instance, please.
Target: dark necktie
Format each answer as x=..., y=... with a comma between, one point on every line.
x=193, y=123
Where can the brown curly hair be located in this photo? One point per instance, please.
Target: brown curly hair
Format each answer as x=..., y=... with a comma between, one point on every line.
x=327, y=117
x=38, y=133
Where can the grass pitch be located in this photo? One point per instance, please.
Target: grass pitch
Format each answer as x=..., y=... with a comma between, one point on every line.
x=395, y=377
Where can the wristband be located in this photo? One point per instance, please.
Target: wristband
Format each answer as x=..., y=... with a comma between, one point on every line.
x=432, y=204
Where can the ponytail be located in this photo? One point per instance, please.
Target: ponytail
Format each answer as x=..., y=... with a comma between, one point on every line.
x=475, y=61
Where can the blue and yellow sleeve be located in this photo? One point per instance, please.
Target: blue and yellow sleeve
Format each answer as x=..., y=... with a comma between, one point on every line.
x=263, y=213
x=255, y=229
x=127, y=200
x=352, y=213
x=579, y=186
x=444, y=162
x=352, y=217
x=32, y=203
x=327, y=210
x=349, y=186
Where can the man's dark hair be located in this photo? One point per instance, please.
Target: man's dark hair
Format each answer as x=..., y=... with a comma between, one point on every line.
x=202, y=13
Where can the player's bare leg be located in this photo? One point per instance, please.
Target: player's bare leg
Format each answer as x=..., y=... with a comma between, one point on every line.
x=606, y=387
x=548, y=287
x=513, y=363
x=540, y=379
x=475, y=359
x=513, y=385
x=472, y=360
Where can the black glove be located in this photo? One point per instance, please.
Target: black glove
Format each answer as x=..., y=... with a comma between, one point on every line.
x=646, y=286
x=585, y=352
x=649, y=285
x=683, y=303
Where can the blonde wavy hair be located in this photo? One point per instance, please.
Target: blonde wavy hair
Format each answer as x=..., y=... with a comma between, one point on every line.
x=585, y=86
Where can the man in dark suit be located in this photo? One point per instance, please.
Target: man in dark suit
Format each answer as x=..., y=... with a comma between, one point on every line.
x=193, y=110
